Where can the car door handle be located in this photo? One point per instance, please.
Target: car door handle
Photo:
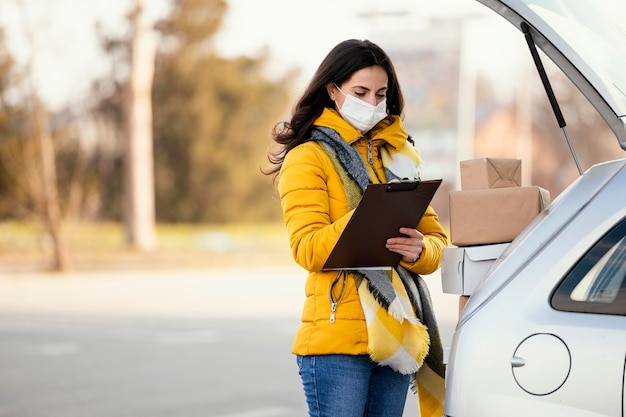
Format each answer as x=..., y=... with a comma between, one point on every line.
x=517, y=362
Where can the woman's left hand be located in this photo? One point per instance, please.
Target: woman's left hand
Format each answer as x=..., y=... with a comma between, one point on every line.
x=410, y=246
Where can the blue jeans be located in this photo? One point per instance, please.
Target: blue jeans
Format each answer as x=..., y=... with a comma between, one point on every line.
x=351, y=386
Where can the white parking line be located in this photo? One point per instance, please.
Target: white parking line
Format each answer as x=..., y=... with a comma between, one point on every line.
x=187, y=338
x=265, y=412
x=54, y=349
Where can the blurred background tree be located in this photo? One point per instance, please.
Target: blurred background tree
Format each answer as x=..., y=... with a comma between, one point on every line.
x=28, y=157
x=211, y=129
x=212, y=120
x=139, y=210
x=11, y=151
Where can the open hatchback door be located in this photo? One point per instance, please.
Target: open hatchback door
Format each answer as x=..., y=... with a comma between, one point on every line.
x=586, y=39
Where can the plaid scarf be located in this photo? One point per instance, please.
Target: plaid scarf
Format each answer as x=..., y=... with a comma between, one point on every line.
x=401, y=325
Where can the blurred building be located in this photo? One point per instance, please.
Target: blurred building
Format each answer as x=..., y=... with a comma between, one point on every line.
x=427, y=58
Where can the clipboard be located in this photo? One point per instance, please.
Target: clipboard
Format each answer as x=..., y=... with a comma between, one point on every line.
x=382, y=211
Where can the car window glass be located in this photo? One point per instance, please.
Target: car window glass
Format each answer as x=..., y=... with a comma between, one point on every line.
x=597, y=284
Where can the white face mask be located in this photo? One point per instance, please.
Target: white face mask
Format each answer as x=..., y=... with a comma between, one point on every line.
x=360, y=114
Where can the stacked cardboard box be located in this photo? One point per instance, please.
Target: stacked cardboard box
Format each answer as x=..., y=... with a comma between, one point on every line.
x=489, y=211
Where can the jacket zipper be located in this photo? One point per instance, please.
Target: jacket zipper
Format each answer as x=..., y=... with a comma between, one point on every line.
x=370, y=156
x=334, y=302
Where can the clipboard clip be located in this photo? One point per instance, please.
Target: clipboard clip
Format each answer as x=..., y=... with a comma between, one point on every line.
x=404, y=185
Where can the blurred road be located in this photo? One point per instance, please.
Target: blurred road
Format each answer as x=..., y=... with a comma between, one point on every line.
x=212, y=342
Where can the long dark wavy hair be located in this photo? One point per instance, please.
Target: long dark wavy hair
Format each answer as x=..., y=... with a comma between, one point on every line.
x=341, y=62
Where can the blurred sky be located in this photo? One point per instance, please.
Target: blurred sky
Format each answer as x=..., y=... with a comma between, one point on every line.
x=296, y=33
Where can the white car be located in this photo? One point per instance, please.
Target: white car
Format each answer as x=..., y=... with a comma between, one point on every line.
x=544, y=333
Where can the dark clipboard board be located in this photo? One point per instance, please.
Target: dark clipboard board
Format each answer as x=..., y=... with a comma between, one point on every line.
x=383, y=209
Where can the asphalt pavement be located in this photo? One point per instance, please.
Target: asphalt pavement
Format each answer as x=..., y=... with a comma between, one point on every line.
x=162, y=342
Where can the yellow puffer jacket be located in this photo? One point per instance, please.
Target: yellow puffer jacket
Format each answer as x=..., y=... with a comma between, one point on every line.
x=315, y=209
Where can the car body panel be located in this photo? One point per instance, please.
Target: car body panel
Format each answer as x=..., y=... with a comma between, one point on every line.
x=594, y=383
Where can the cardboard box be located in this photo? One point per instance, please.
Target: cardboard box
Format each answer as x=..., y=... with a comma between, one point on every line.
x=498, y=215
x=485, y=173
x=463, y=268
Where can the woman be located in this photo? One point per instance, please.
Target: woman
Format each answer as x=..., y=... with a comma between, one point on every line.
x=345, y=133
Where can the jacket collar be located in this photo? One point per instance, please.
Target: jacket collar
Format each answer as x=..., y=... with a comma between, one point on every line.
x=389, y=130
